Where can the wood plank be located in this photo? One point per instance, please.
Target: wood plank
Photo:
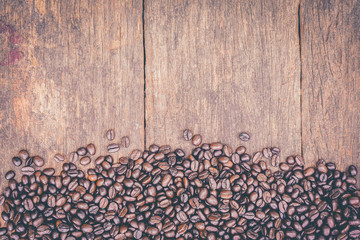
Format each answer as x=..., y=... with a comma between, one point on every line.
x=330, y=40
x=81, y=74
x=221, y=67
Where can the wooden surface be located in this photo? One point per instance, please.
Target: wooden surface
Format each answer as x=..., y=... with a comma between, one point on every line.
x=330, y=50
x=69, y=70
x=223, y=68
x=82, y=73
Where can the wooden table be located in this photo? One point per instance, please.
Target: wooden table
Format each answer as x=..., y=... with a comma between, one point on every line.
x=287, y=72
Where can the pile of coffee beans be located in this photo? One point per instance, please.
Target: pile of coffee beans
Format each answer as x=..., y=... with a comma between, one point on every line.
x=160, y=193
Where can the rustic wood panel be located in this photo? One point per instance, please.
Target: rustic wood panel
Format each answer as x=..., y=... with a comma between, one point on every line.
x=330, y=40
x=221, y=67
x=78, y=71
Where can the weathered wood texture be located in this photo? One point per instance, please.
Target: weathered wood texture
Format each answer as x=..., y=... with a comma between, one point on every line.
x=81, y=73
x=221, y=67
x=330, y=47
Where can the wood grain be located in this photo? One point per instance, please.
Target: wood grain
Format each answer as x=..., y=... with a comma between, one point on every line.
x=82, y=73
x=330, y=40
x=222, y=67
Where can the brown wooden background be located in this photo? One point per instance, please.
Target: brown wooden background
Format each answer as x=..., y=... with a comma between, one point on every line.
x=286, y=71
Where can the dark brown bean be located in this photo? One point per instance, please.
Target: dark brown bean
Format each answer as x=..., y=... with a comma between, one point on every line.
x=196, y=140
x=59, y=158
x=110, y=134
x=125, y=141
x=38, y=161
x=243, y=136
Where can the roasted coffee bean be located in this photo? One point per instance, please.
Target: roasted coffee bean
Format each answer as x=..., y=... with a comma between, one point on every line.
x=27, y=171
x=196, y=140
x=73, y=157
x=10, y=175
x=16, y=161
x=38, y=161
x=59, y=158
x=111, y=148
x=275, y=159
x=188, y=135
x=90, y=148
x=110, y=134
x=243, y=136
x=85, y=160
x=213, y=193
x=125, y=142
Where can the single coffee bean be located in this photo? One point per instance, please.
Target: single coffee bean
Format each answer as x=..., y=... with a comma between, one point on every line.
x=125, y=142
x=257, y=157
x=85, y=160
x=10, y=175
x=299, y=160
x=38, y=161
x=111, y=148
x=110, y=134
x=81, y=151
x=275, y=159
x=90, y=148
x=17, y=161
x=23, y=154
x=29, y=161
x=196, y=140
x=59, y=158
x=352, y=170
x=267, y=153
x=188, y=135
x=73, y=157
x=27, y=171
x=243, y=136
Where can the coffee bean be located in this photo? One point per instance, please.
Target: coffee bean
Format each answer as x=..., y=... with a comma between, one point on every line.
x=257, y=157
x=16, y=161
x=111, y=148
x=59, y=158
x=85, y=160
x=9, y=175
x=188, y=135
x=275, y=159
x=73, y=157
x=284, y=167
x=196, y=140
x=125, y=142
x=110, y=134
x=29, y=161
x=91, y=149
x=267, y=153
x=243, y=136
x=86, y=228
x=299, y=160
x=352, y=170
x=27, y=171
x=38, y=161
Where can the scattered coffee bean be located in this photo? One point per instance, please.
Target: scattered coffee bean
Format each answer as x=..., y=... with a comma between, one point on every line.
x=17, y=161
x=111, y=148
x=244, y=136
x=110, y=134
x=91, y=149
x=196, y=140
x=9, y=175
x=27, y=171
x=38, y=161
x=188, y=135
x=59, y=158
x=125, y=142
x=73, y=157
